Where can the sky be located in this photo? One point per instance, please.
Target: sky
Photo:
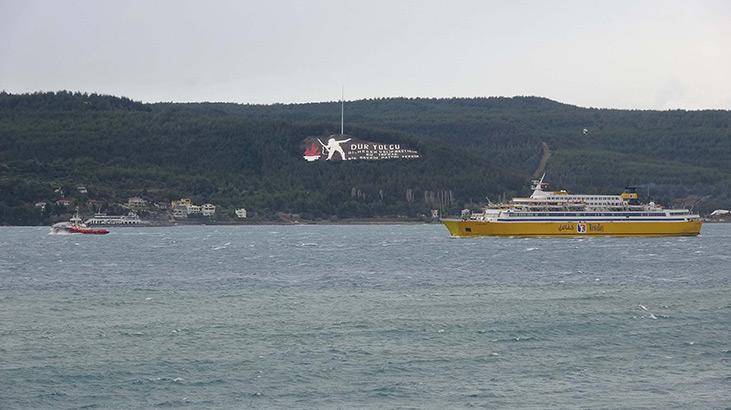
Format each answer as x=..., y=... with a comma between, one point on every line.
x=662, y=54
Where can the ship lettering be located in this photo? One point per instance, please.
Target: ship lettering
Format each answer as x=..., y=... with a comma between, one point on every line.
x=596, y=228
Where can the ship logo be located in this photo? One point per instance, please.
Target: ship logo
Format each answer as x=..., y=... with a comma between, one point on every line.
x=312, y=153
x=581, y=228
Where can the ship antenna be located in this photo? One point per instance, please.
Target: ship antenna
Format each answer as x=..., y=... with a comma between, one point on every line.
x=342, y=109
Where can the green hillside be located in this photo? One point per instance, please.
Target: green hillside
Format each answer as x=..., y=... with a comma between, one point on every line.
x=250, y=155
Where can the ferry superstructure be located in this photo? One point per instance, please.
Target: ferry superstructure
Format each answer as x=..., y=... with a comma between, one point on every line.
x=131, y=219
x=552, y=213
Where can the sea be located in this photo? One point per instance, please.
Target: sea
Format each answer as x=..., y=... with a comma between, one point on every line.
x=362, y=316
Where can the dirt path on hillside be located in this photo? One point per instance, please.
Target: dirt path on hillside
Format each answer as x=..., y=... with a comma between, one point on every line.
x=543, y=161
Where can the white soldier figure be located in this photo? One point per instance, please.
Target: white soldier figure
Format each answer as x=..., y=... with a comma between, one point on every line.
x=333, y=146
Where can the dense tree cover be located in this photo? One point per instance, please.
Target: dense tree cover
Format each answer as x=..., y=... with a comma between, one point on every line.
x=250, y=155
x=171, y=151
x=680, y=157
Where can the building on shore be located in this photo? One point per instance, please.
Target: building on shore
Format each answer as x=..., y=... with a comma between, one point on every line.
x=719, y=215
x=180, y=211
x=185, y=208
x=241, y=213
x=208, y=209
x=194, y=210
x=181, y=201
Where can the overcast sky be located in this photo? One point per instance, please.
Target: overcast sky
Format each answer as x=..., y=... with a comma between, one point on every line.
x=623, y=54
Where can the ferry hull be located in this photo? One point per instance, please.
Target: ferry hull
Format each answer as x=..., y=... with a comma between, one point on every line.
x=458, y=227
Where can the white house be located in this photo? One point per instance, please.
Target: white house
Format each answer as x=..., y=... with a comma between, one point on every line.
x=241, y=213
x=194, y=209
x=208, y=209
x=720, y=212
x=180, y=211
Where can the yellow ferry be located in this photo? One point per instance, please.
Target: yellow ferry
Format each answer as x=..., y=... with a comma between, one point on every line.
x=552, y=213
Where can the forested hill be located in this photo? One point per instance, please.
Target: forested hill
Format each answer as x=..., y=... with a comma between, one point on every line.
x=238, y=155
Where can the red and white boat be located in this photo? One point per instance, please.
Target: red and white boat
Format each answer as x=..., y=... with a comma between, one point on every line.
x=76, y=225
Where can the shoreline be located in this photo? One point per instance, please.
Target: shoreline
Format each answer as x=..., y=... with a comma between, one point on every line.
x=259, y=223
x=343, y=222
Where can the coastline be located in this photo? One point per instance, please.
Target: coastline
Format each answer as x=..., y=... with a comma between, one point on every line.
x=279, y=222
x=374, y=221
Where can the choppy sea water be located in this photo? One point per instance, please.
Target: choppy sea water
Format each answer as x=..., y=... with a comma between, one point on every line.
x=362, y=316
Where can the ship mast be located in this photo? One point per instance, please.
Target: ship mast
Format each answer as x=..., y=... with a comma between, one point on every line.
x=342, y=109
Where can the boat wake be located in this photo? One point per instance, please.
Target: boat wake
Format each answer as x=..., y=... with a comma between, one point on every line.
x=224, y=246
x=59, y=233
